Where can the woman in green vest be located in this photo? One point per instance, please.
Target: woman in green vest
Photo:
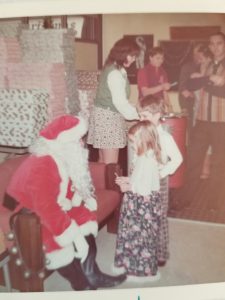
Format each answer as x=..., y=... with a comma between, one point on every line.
x=107, y=128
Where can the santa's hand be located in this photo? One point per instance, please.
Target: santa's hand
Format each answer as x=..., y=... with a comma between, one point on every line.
x=91, y=204
x=65, y=204
x=81, y=247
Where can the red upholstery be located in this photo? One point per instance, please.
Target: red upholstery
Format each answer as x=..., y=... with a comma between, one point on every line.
x=97, y=171
x=107, y=200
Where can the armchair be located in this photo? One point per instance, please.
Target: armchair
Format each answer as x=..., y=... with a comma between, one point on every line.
x=28, y=225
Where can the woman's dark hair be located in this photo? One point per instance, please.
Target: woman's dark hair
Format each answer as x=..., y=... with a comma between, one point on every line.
x=120, y=50
x=155, y=50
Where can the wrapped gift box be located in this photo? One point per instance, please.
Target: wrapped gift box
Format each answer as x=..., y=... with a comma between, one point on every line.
x=87, y=82
x=23, y=113
x=50, y=77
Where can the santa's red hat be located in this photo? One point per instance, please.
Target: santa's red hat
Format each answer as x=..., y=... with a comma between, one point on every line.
x=65, y=128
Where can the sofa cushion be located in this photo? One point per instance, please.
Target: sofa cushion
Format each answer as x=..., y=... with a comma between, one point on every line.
x=107, y=201
x=97, y=171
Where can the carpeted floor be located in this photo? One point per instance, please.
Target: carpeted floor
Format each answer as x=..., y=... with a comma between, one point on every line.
x=198, y=209
x=196, y=257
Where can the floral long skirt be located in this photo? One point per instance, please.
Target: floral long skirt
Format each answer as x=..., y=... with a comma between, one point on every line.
x=136, y=245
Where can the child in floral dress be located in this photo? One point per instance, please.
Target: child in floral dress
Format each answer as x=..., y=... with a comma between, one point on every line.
x=136, y=245
x=151, y=109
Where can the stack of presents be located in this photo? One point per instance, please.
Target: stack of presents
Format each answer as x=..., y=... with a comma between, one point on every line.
x=38, y=81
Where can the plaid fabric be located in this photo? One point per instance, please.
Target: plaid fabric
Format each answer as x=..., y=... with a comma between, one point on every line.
x=211, y=107
x=217, y=108
x=163, y=236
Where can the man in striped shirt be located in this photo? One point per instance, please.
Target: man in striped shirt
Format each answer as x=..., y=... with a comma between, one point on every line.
x=209, y=130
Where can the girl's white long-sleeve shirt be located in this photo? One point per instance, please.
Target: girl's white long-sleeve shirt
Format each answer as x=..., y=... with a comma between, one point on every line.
x=170, y=153
x=147, y=172
x=117, y=85
x=145, y=176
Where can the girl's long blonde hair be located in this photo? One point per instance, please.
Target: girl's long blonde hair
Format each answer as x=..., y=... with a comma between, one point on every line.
x=145, y=136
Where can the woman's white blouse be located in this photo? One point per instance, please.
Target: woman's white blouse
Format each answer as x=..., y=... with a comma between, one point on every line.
x=117, y=85
x=145, y=175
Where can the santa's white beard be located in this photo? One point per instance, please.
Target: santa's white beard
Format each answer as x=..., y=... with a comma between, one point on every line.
x=72, y=161
x=75, y=158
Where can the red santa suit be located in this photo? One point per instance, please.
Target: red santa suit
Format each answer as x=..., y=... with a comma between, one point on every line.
x=44, y=185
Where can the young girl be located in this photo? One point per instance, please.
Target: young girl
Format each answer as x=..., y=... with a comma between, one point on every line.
x=136, y=246
x=151, y=109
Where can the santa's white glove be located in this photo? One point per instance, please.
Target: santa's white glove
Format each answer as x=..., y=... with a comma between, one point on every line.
x=65, y=204
x=81, y=247
x=91, y=204
x=77, y=199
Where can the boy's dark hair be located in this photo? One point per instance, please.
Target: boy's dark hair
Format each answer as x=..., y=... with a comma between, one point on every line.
x=155, y=50
x=152, y=104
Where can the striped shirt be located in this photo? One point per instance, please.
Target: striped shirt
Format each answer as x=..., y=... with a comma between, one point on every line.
x=212, y=99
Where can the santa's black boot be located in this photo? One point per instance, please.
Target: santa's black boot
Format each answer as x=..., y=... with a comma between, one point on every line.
x=74, y=274
x=92, y=272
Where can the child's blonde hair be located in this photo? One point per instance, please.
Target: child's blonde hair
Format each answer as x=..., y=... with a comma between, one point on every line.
x=151, y=104
x=145, y=136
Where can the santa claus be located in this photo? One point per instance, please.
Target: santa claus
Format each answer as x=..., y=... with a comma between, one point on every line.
x=55, y=183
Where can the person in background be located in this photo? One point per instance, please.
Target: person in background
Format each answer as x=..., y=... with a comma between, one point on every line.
x=153, y=79
x=136, y=244
x=107, y=130
x=151, y=109
x=209, y=130
x=186, y=95
x=205, y=57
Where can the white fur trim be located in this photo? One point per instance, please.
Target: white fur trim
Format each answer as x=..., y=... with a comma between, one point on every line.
x=61, y=199
x=90, y=227
x=91, y=204
x=67, y=237
x=74, y=133
x=60, y=258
